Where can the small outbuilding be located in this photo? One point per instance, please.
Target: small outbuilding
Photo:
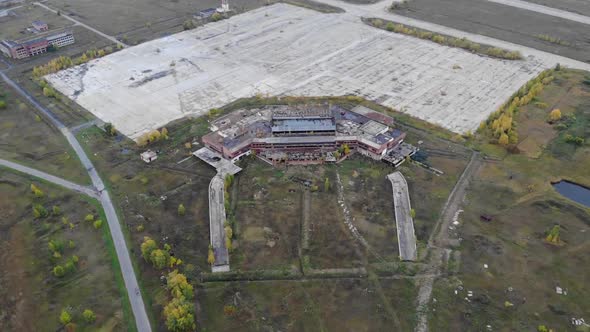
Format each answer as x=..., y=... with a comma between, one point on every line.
x=149, y=156
x=40, y=26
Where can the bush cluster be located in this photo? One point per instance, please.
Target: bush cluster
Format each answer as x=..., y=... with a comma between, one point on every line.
x=463, y=43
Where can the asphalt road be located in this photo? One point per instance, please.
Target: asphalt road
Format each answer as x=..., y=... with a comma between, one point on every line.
x=137, y=305
x=89, y=191
x=456, y=18
x=406, y=236
x=509, y=20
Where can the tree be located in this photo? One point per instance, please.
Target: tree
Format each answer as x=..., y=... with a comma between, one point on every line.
x=2, y=104
x=56, y=210
x=553, y=236
x=504, y=139
x=188, y=24
x=147, y=247
x=89, y=217
x=55, y=245
x=159, y=258
x=36, y=191
x=65, y=317
x=327, y=185
x=59, y=271
x=412, y=213
x=110, y=129
x=39, y=211
x=178, y=285
x=98, y=224
x=164, y=133
x=179, y=315
x=228, y=231
x=89, y=316
x=181, y=210
x=228, y=243
x=48, y=92
x=216, y=17
x=555, y=115
x=211, y=256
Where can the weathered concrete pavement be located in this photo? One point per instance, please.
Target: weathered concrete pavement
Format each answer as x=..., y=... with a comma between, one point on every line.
x=406, y=236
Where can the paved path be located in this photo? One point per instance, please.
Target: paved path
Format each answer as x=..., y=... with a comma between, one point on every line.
x=89, y=191
x=141, y=318
x=544, y=10
x=111, y=38
x=406, y=237
x=380, y=10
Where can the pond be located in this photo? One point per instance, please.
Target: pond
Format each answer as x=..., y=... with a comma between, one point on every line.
x=573, y=191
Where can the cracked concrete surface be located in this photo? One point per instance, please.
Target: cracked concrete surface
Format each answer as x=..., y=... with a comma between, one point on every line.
x=287, y=50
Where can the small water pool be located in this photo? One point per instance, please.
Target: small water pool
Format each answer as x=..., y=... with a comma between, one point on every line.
x=573, y=191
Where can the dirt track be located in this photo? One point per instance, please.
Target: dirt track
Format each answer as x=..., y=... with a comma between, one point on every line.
x=438, y=243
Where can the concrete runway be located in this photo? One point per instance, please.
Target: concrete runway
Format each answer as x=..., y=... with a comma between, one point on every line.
x=287, y=50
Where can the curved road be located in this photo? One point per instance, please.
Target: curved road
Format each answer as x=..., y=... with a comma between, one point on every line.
x=141, y=318
x=88, y=191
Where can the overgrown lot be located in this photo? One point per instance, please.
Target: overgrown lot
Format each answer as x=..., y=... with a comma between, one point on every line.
x=28, y=138
x=53, y=259
x=330, y=305
x=537, y=240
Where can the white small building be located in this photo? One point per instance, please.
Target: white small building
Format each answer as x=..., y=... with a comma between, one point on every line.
x=149, y=156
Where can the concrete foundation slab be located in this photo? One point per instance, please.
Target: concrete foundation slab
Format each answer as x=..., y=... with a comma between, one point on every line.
x=287, y=50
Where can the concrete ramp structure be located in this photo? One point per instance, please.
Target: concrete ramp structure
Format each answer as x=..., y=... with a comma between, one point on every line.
x=406, y=237
x=217, y=214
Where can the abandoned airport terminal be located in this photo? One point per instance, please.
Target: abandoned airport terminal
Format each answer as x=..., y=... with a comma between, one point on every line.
x=308, y=134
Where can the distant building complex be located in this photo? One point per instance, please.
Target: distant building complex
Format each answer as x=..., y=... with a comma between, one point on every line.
x=304, y=135
x=37, y=43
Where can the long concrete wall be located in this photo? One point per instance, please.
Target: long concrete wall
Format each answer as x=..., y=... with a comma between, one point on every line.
x=406, y=236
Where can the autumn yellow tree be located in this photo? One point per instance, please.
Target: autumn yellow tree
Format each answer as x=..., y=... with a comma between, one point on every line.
x=159, y=258
x=178, y=285
x=211, y=256
x=147, y=247
x=179, y=315
x=504, y=139
x=555, y=115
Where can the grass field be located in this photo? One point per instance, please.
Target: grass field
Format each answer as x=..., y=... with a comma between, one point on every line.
x=28, y=138
x=344, y=305
x=523, y=269
x=28, y=288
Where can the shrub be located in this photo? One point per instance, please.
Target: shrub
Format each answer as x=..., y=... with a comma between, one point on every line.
x=39, y=211
x=89, y=217
x=181, y=210
x=89, y=316
x=59, y=271
x=2, y=104
x=65, y=317
x=555, y=115
x=98, y=224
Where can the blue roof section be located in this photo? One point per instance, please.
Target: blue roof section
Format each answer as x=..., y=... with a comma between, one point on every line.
x=303, y=125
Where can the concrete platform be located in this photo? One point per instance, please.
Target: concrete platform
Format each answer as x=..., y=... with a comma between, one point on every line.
x=287, y=50
x=216, y=229
x=222, y=165
x=406, y=236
